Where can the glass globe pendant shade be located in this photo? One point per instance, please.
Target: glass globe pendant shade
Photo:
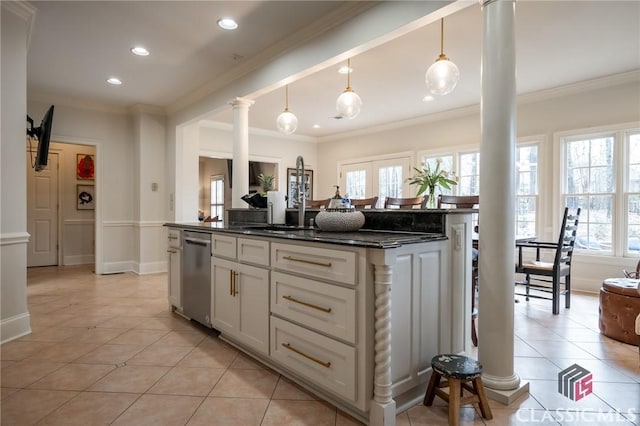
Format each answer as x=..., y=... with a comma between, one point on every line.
x=287, y=122
x=442, y=76
x=349, y=104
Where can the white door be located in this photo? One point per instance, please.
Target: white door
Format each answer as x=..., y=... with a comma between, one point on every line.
x=42, y=213
x=384, y=178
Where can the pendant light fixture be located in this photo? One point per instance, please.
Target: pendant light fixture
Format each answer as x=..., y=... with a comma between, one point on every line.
x=442, y=76
x=349, y=103
x=287, y=121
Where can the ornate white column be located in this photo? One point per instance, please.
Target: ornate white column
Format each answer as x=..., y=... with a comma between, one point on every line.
x=497, y=192
x=240, y=178
x=383, y=407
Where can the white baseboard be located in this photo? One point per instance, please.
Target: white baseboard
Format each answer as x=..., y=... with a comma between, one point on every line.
x=117, y=267
x=152, y=267
x=81, y=259
x=15, y=327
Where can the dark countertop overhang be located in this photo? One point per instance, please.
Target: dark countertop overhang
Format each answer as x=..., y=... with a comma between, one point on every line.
x=362, y=238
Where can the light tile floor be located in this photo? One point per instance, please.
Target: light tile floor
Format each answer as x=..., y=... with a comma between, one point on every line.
x=106, y=350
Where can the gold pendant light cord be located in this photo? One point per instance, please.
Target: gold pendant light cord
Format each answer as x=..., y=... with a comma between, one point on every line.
x=441, y=36
x=286, y=97
x=349, y=74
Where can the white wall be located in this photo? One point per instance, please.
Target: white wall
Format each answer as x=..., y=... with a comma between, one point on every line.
x=553, y=112
x=14, y=316
x=113, y=137
x=150, y=191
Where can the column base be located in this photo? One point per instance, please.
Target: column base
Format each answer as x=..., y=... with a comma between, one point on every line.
x=382, y=414
x=507, y=397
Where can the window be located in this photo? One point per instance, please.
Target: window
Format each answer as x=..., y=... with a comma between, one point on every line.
x=469, y=177
x=382, y=176
x=590, y=185
x=390, y=182
x=217, y=197
x=526, y=189
x=632, y=194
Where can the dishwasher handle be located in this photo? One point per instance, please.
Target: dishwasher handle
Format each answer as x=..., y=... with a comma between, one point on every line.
x=197, y=241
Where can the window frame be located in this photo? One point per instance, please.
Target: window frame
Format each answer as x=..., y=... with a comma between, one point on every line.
x=212, y=179
x=619, y=195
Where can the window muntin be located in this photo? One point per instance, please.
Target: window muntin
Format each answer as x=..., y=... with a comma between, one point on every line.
x=590, y=185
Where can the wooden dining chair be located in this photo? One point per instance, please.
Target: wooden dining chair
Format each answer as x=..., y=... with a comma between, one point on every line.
x=363, y=203
x=405, y=203
x=318, y=204
x=459, y=201
x=467, y=202
x=550, y=277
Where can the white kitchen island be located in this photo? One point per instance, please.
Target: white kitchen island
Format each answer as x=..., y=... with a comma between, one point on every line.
x=355, y=318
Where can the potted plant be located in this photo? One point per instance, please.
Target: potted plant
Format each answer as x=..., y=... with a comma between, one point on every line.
x=266, y=181
x=429, y=179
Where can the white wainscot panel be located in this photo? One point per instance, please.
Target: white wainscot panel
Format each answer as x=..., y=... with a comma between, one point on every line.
x=78, y=237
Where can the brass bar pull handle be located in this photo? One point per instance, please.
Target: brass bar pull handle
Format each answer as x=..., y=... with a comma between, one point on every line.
x=310, y=305
x=309, y=357
x=173, y=237
x=235, y=283
x=310, y=262
x=230, y=282
x=172, y=251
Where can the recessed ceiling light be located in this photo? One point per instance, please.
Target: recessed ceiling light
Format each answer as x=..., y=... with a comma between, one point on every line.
x=140, y=51
x=316, y=126
x=428, y=98
x=345, y=70
x=227, y=24
x=114, y=80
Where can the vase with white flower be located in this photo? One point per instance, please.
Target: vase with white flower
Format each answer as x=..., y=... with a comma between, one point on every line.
x=429, y=179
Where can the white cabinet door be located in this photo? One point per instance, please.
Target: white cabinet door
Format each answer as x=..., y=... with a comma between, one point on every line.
x=240, y=303
x=252, y=285
x=224, y=303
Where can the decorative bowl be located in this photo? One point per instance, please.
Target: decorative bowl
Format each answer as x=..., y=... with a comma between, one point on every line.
x=340, y=221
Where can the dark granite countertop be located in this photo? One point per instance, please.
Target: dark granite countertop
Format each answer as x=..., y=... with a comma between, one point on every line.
x=362, y=238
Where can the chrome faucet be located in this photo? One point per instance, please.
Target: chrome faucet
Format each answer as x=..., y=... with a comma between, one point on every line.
x=300, y=189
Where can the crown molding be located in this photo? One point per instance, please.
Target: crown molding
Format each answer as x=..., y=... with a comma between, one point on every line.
x=525, y=98
x=580, y=86
x=23, y=10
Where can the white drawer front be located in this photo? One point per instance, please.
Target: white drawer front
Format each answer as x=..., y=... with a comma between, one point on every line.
x=253, y=251
x=336, y=265
x=326, y=362
x=223, y=246
x=324, y=307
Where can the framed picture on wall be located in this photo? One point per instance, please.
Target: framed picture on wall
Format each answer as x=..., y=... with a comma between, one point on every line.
x=85, y=197
x=292, y=191
x=85, y=166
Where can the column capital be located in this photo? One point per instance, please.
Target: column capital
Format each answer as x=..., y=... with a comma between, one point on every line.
x=241, y=102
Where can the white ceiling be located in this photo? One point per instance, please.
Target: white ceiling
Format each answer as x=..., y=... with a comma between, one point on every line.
x=75, y=46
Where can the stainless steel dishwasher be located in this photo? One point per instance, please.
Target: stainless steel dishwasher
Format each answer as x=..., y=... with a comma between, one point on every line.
x=196, y=276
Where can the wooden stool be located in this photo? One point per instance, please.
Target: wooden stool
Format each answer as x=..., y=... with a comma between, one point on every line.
x=458, y=370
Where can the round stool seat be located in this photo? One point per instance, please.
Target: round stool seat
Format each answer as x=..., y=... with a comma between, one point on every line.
x=456, y=366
